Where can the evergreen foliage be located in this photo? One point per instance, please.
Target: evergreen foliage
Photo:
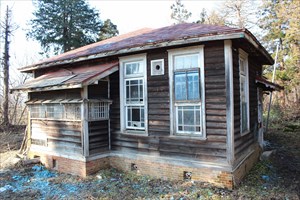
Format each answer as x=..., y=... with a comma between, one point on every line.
x=108, y=30
x=63, y=25
x=279, y=19
x=179, y=12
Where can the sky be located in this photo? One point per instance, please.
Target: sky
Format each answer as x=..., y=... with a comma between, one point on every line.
x=127, y=15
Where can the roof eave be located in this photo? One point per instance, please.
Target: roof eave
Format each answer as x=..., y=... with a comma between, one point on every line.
x=48, y=88
x=225, y=36
x=250, y=38
x=149, y=46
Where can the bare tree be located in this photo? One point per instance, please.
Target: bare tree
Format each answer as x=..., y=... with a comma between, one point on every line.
x=213, y=18
x=238, y=13
x=8, y=29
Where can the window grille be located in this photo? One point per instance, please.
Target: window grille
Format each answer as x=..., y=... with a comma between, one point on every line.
x=58, y=111
x=98, y=110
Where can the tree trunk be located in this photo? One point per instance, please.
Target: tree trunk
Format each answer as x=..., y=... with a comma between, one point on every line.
x=7, y=31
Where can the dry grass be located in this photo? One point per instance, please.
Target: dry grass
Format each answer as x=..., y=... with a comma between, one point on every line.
x=11, y=139
x=10, y=142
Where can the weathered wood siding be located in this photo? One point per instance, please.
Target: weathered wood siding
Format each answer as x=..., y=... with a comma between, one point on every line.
x=243, y=142
x=159, y=140
x=158, y=97
x=115, y=106
x=98, y=137
x=61, y=136
x=56, y=94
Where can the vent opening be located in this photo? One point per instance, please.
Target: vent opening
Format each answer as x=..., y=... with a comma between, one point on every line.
x=187, y=175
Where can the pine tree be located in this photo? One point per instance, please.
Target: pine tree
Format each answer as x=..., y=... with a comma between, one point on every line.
x=108, y=30
x=62, y=25
x=179, y=12
x=280, y=22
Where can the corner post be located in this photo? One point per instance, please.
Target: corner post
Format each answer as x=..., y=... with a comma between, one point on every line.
x=229, y=100
x=84, y=121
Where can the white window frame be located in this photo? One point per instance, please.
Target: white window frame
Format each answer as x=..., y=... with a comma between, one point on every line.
x=173, y=112
x=243, y=56
x=141, y=58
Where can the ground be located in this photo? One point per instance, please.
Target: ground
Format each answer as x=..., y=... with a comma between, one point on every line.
x=276, y=178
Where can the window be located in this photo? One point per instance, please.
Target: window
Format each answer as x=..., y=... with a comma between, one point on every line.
x=99, y=110
x=132, y=89
x=187, y=86
x=55, y=111
x=244, y=92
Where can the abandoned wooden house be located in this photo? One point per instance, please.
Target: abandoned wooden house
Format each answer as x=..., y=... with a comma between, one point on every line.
x=182, y=100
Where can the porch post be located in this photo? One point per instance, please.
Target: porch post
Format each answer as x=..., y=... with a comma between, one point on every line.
x=84, y=121
x=229, y=100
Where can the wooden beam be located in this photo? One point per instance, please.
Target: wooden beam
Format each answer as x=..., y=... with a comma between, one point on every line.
x=229, y=100
x=84, y=121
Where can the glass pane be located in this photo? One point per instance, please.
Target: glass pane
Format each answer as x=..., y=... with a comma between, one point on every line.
x=128, y=69
x=242, y=67
x=133, y=68
x=193, y=85
x=197, y=116
x=180, y=122
x=135, y=117
x=189, y=128
x=244, y=116
x=242, y=84
x=141, y=96
x=188, y=117
x=191, y=61
x=186, y=61
x=134, y=91
x=142, y=114
x=179, y=62
x=136, y=114
x=180, y=86
x=129, y=114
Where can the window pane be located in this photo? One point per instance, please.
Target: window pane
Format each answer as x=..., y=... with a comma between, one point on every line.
x=193, y=85
x=179, y=62
x=244, y=116
x=191, y=61
x=134, y=91
x=244, y=95
x=133, y=68
x=188, y=118
x=242, y=67
x=186, y=61
x=135, y=117
x=180, y=86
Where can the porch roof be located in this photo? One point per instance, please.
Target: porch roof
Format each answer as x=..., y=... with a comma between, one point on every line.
x=267, y=85
x=67, y=78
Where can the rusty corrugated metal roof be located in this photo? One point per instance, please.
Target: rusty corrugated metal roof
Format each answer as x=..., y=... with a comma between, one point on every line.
x=67, y=77
x=141, y=38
